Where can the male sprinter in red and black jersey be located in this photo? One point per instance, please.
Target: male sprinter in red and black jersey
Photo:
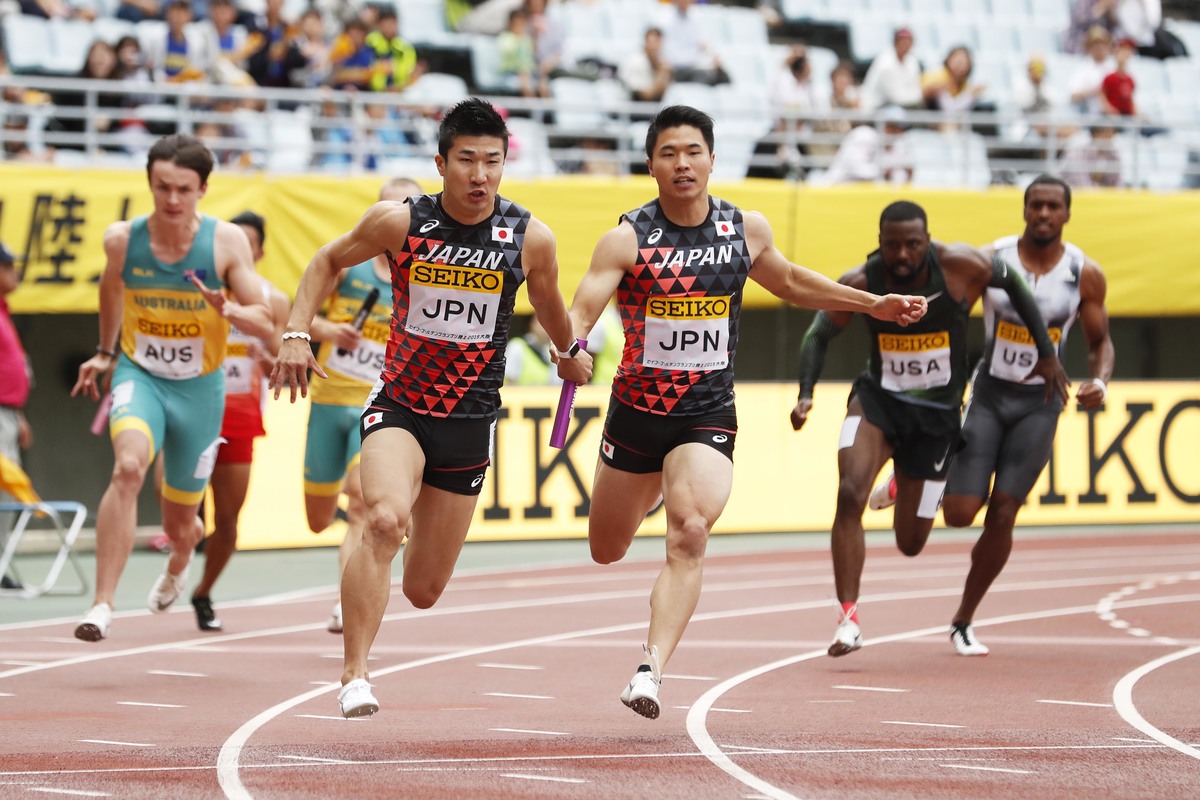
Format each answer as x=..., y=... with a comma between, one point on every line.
x=678, y=265
x=457, y=260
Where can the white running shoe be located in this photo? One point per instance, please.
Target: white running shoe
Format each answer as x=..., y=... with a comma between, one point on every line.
x=963, y=637
x=356, y=699
x=166, y=590
x=884, y=495
x=335, y=620
x=95, y=623
x=642, y=692
x=847, y=639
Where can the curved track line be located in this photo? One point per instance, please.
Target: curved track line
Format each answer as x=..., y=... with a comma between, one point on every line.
x=697, y=727
x=1123, y=702
x=230, y=754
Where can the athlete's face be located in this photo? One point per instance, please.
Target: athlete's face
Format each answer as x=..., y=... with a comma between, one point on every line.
x=681, y=163
x=1046, y=213
x=176, y=191
x=471, y=173
x=903, y=246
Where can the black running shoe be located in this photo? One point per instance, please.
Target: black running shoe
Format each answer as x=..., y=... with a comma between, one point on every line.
x=205, y=618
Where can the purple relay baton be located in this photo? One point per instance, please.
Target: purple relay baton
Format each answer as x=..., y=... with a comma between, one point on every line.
x=566, y=402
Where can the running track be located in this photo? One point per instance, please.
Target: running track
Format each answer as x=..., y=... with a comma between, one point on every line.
x=508, y=688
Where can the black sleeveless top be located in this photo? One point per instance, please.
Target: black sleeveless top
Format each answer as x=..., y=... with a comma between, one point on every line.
x=926, y=362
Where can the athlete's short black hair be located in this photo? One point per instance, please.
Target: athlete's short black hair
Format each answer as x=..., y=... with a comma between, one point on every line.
x=674, y=117
x=184, y=151
x=903, y=211
x=471, y=117
x=1050, y=180
x=255, y=221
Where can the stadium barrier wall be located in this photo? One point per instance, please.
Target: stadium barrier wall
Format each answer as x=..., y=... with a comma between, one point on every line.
x=56, y=218
x=1134, y=461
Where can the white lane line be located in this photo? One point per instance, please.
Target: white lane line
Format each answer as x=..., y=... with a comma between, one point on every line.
x=1123, y=700
x=13, y=663
x=1076, y=703
x=230, y=754
x=519, y=776
x=831, y=701
x=675, y=677
x=920, y=724
x=7, y=694
x=519, y=696
x=697, y=726
x=72, y=792
x=317, y=760
x=324, y=683
x=176, y=674
x=118, y=744
x=734, y=710
x=989, y=769
x=1127, y=739
x=467, y=708
x=491, y=665
x=330, y=716
x=522, y=730
x=869, y=688
x=148, y=705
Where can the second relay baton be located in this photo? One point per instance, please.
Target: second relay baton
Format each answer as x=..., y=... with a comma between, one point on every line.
x=360, y=318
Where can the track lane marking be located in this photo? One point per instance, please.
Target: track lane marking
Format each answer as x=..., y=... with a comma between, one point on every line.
x=697, y=724
x=1123, y=700
x=989, y=769
x=1075, y=703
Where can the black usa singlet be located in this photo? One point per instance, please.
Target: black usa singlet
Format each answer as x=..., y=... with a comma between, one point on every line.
x=680, y=306
x=455, y=286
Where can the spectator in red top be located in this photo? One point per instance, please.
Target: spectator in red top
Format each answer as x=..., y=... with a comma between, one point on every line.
x=1116, y=91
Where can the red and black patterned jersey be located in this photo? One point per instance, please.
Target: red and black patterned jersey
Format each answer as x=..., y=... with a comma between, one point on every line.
x=680, y=306
x=454, y=289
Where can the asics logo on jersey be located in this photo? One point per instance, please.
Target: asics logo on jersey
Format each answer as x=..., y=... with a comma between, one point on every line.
x=428, y=226
x=478, y=480
x=720, y=438
x=654, y=236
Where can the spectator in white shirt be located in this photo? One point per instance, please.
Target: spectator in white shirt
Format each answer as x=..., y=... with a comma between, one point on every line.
x=646, y=74
x=685, y=49
x=894, y=77
x=868, y=155
x=1087, y=79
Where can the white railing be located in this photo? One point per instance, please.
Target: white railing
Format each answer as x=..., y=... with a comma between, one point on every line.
x=285, y=130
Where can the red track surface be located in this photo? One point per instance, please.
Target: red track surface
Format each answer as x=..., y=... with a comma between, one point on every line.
x=508, y=688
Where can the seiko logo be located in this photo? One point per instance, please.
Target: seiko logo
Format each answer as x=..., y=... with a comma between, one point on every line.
x=720, y=438
x=654, y=236
x=428, y=226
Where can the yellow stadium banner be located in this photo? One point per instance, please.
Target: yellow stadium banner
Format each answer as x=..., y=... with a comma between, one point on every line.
x=55, y=220
x=1134, y=461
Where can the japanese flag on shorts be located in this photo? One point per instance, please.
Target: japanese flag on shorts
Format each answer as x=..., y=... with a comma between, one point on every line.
x=372, y=419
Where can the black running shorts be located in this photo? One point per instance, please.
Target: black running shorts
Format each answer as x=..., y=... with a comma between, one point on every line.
x=924, y=438
x=457, y=450
x=638, y=441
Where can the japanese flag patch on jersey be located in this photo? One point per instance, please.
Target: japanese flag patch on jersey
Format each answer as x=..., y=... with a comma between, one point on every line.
x=724, y=228
x=501, y=234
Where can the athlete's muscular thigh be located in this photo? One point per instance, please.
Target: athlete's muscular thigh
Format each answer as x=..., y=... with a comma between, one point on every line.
x=620, y=501
x=864, y=454
x=390, y=472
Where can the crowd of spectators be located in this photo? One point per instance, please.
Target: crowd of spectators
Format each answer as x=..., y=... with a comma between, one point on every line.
x=362, y=47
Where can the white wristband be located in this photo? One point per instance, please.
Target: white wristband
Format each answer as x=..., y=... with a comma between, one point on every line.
x=1103, y=388
x=297, y=335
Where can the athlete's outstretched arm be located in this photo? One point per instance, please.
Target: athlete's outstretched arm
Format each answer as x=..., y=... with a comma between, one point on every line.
x=1048, y=364
x=808, y=289
x=384, y=224
x=1093, y=318
x=613, y=256
x=112, y=301
x=247, y=311
x=825, y=326
x=541, y=281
